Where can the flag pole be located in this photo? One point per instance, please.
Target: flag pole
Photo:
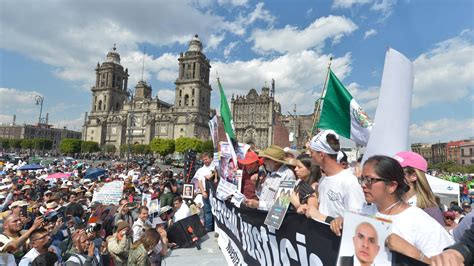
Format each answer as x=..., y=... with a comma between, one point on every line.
x=319, y=101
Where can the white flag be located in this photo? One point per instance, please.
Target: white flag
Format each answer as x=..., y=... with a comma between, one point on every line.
x=389, y=133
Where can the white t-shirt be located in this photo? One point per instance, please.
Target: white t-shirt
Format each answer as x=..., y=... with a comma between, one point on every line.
x=418, y=228
x=339, y=192
x=181, y=213
x=201, y=174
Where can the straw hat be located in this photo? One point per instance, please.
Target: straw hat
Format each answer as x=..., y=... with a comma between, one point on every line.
x=274, y=153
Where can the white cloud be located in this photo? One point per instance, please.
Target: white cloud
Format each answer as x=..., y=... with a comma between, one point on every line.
x=233, y=2
x=446, y=72
x=214, y=41
x=14, y=98
x=384, y=7
x=62, y=29
x=442, y=130
x=166, y=95
x=349, y=3
x=229, y=48
x=369, y=33
x=314, y=36
x=299, y=77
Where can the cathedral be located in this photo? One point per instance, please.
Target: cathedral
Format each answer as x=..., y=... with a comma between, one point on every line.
x=120, y=116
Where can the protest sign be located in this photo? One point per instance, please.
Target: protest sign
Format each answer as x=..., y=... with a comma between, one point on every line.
x=225, y=189
x=103, y=213
x=110, y=193
x=280, y=206
x=363, y=240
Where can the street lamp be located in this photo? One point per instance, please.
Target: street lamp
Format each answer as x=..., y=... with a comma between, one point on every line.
x=39, y=101
x=129, y=126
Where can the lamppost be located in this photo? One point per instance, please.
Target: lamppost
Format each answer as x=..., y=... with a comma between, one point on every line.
x=39, y=101
x=295, y=142
x=129, y=126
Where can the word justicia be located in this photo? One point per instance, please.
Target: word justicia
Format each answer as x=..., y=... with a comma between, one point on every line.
x=261, y=243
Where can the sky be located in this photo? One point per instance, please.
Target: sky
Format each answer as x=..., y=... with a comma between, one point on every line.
x=51, y=48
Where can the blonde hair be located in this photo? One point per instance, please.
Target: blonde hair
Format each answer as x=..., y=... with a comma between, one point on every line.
x=425, y=197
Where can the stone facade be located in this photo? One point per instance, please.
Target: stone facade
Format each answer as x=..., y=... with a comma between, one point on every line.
x=258, y=119
x=424, y=150
x=42, y=131
x=467, y=153
x=119, y=117
x=438, y=152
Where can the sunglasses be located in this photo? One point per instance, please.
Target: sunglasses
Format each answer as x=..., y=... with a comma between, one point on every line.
x=449, y=218
x=369, y=181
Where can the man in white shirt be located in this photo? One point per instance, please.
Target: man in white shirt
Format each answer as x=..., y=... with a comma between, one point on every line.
x=141, y=224
x=203, y=173
x=40, y=240
x=339, y=189
x=274, y=161
x=181, y=209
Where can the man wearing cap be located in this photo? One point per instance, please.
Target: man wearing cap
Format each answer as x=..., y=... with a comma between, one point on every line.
x=119, y=243
x=339, y=189
x=250, y=168
x=274, y=161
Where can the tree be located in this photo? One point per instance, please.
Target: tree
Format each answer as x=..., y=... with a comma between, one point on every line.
x=15, y=143
x=70, y=145
x=42, y=144
x=207, y=146
x=162, y=146
x=4, y=144
x=109, y=148
x=184, y=143
x=124, y=148
x=141, y=149
x=26, y=144
x=89, y=146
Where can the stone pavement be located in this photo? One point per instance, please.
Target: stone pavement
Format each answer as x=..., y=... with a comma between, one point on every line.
x=210, y=254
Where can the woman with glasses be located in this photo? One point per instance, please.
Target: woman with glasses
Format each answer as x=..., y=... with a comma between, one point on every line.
x=414, y=232
x=419, y=194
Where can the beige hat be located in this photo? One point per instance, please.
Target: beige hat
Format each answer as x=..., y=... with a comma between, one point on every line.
x=77, y=190
x=25, y=187
x=18, y=203
x=6, y=180
x=88, y=194
x=64, y=186
x=274, y=153
x=52, y=205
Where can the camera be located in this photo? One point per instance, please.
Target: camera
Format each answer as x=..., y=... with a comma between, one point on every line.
x=52, y=217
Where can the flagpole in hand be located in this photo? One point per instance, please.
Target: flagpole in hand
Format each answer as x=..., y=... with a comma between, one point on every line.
x=321, y=98
x=226, y=117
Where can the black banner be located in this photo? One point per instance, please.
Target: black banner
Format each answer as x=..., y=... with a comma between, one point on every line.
x=245, y=239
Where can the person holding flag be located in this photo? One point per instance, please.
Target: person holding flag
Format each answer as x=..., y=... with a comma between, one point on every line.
x=341, y=113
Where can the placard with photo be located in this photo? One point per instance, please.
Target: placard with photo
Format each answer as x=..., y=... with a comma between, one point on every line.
x=188, y=191
x=363, y=240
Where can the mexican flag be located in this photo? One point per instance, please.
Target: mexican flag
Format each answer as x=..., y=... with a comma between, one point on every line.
x=226, y=117
x=341, y=113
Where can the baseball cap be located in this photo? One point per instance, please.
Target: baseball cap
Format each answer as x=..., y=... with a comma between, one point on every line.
x=466, y=205
x=411, y=159
x=250, y=157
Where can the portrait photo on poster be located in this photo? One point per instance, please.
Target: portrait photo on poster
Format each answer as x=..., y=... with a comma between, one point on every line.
x=363, y=241
x=188, y=191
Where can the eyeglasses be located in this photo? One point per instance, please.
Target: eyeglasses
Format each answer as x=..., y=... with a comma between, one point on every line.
x=369, y=181
x=39, y=238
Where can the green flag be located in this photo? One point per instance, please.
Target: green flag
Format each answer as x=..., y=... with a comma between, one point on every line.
x=342, y=114
x=226, y=115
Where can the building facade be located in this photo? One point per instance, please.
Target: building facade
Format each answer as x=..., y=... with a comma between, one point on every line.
x=119, y=116
x=467, y=153
x=453, y=151
x=42, y=131
x=258, y=119
x=438, y=152
x=424, y=150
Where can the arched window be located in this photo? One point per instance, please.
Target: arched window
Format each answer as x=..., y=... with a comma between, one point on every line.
x=117, y=106
x=179, y=102
x=193, y=91
x=100, y=105
x=192, y=102
x=180, y=93
x=186, y=100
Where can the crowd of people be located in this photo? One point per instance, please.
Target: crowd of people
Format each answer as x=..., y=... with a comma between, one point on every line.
x=48, y=221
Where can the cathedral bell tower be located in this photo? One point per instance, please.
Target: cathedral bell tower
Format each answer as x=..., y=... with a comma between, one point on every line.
x=193, y=92
x=110, y=90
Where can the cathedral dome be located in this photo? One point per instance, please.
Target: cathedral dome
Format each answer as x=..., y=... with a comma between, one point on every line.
x=195, y=44
x=113, y=56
